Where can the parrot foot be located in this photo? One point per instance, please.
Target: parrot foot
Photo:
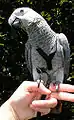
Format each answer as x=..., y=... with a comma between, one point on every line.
x=55, y=84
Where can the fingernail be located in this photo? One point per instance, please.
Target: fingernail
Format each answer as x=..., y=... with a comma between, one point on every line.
x=48, y=91
x=34, y=102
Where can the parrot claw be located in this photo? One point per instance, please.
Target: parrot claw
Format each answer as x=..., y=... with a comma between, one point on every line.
x=39, y=81
x=56, y=85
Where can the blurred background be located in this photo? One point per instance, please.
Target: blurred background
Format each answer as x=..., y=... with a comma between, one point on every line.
x=13, y=70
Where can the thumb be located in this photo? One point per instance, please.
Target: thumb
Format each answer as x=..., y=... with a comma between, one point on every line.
x=33, y=87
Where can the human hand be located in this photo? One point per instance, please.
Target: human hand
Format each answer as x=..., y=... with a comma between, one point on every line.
x=25, y=100
x=64, y=93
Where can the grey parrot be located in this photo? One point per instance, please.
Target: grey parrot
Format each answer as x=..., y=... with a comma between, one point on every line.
x=47, y=53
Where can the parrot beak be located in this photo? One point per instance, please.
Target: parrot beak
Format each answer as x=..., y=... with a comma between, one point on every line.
x=15, y=22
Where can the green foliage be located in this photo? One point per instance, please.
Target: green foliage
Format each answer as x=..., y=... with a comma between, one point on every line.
x=57, y=14
x=46, y=15
x=29, y=1
x=20, y=1
x=1, y=39
x=1, y=36
x=62, y=1
x=1, y=19
x=1, y=44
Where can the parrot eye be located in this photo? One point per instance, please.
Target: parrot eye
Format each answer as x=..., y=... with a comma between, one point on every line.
x=21, y=11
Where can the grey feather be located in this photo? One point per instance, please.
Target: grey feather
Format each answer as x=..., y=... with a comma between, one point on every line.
x=44, y=46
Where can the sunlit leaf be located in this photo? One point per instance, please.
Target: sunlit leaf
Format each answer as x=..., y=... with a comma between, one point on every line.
x=46, y=15
x=62, y=1
x=28, y=1
x=2, y=17
x=1, y=44
x=72, y=54
x=3, y=35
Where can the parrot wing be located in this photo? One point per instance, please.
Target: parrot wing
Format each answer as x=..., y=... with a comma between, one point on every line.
x=66, y=49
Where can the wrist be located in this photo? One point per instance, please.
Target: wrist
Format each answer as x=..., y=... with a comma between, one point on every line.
x=7, y=112
x=15, y=110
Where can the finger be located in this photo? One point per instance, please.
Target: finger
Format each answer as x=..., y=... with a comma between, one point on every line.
x=46, y=112
x=33, y=87
x=63, y=96
x=42, y=111
x=51, y=103
x=62, y=88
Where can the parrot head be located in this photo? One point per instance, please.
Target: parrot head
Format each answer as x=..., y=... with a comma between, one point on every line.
x=16, y=17
x=22, y=17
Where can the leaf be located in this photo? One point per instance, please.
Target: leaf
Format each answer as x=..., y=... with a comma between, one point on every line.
x=2, y=17
x=2, y=35
x=29, y=1
x=46, y=15
x=1, y=44
x=62, y=1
